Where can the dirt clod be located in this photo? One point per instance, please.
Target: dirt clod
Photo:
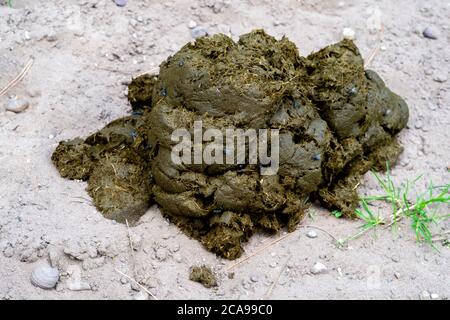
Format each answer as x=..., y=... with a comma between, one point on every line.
x=203, y=275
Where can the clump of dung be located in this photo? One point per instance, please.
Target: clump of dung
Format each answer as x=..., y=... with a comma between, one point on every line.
x=203, y=275
x=336, y=122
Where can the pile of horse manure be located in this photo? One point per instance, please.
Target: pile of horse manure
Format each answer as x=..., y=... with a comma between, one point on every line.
x=336, y=121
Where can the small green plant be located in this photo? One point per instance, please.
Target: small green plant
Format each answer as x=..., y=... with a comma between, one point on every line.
x=9, y=2
x=418, y=212
x=371, y=220
x=336, y=213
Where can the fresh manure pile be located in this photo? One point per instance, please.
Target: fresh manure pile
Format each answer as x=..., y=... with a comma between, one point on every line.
x=336, y=121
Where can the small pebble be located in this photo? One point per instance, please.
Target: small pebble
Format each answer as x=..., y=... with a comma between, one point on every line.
x=53, y=257
x=174, y=248
x=434, y=296
x=276, y=23
x=246, y=285
x=428, y=72
x=395, y=259
x=51, y=37
x=166, y=236
x=424, y=295
x=192, y=24
x=141, y=295
x=8, y=252
x=311, y=234
x=135, y=286
x=32, y=93
x=348, y=33
x=136, y=241
x=318, y=268
x=418, y=124
x=397, y=275
x=178, y=258
x=17, y=105
x=121, y=3
x=161, y=254
x=254, y=278
x=429, y=33
x=78, y=286
x=374, y=23
x=78, y=33
x=198, y=32
x=440, y=78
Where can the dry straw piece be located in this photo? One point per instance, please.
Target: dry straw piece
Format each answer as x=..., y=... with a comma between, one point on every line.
x=18, y=78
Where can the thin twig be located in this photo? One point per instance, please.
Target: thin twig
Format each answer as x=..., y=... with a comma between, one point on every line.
x=258, y=251
x=375, y=50
x=269, y=292
x=439, y=239
x=133, y=260
x=323, y=230
x=399, y=217
x=372, y=55
x=83, y=200
x=18, y=78
x=393, y=221
x=442, y=233
x=152, y=72
x=77, y=201
x=129, y=237
x=356, y=236
x=276, y=241
x=140, y=286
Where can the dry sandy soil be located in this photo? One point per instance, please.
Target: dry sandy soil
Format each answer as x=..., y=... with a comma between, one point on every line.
x=86, y=51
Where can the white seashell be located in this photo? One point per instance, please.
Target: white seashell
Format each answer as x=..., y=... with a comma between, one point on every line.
x=45, y=277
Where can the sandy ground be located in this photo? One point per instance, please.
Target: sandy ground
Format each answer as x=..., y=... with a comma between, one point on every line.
x=84, y=54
